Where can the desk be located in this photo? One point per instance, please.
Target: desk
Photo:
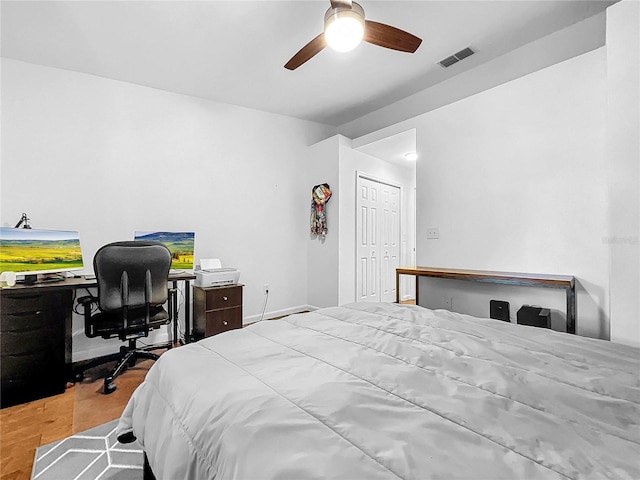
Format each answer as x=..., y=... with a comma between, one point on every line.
x=565, y=282
x=36, y=338
x=76, y=283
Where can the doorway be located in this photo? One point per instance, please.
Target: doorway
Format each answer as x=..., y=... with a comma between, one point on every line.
x=378, y=239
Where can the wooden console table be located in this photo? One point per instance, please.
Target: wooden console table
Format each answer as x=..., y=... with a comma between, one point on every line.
x=566, y=282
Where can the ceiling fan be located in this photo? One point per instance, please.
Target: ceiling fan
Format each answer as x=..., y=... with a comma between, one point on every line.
x=345, y=27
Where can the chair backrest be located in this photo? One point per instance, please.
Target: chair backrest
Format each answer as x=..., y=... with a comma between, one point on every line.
x=131, y=273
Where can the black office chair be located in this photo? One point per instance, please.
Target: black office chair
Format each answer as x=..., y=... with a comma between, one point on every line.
x=132, y=289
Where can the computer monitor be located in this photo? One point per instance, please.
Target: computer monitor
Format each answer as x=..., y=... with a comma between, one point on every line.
x=36, y=251
x=180, y=244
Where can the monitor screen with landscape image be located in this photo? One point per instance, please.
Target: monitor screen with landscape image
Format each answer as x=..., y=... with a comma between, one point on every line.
x=180, y=244
x=36, y=251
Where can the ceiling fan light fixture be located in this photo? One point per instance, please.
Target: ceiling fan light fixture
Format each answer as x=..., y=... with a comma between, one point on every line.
x=344, y=27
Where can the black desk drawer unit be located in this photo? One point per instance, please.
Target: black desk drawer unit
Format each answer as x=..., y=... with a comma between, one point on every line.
x=216, y=310
x=32, y=345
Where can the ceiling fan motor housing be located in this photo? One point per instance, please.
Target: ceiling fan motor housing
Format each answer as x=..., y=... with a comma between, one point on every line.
x=344, y=27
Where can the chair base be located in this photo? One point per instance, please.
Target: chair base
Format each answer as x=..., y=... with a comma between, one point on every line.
x=127, y=357
x=129, y=360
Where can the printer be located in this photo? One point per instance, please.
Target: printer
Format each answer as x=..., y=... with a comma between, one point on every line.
x=211, y=274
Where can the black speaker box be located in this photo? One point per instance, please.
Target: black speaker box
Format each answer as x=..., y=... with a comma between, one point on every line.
x=535, y=316
x=499, y=310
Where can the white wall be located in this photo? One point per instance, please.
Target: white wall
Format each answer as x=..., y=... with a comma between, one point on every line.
x=323, y=267
x=623, y=160
x=107, y=158
x=513, y=178
x=332, y=263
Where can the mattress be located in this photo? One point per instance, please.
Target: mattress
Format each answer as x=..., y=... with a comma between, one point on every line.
x=387, y=391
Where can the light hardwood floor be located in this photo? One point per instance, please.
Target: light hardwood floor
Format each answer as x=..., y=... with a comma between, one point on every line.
x=25, y=427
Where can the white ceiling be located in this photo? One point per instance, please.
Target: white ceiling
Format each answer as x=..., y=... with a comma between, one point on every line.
x=234, y=51
x=393, y=148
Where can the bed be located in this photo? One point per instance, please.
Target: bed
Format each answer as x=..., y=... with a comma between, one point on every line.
x=388, y=391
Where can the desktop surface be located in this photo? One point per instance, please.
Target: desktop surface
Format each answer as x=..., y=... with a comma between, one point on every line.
x=83, y=281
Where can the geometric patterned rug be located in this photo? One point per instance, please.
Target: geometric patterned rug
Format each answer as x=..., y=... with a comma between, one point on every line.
x=94, y=454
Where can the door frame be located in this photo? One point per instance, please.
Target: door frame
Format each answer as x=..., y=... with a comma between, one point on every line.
x=360, y=174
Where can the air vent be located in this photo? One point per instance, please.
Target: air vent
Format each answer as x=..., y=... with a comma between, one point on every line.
x=447, y=62
x=456, y=57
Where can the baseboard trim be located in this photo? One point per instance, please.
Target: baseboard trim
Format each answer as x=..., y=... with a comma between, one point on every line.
x=277, y=313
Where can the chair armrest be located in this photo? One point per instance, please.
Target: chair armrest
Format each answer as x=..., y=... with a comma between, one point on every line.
x=171, y=302
x=87, y=301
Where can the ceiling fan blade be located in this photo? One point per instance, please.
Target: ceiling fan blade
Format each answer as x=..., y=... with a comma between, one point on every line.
x=307, y=52
x=341, y=3
x=390, y=37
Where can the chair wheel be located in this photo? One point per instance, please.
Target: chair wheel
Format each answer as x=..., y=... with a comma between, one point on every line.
x=78, y=377
x=109, y=385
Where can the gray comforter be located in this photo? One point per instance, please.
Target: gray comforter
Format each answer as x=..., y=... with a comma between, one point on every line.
x=372, y=391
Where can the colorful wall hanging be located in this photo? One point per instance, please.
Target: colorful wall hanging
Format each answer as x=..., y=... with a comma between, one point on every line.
x=320, y=196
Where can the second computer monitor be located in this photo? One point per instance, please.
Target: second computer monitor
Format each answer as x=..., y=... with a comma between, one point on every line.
x=180, y=244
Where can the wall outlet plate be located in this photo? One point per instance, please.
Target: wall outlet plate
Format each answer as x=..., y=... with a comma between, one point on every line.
x=447, y=302
x=433, y=232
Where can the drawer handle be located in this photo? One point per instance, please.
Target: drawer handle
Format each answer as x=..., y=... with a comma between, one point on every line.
x=24, y=297
x=225, y=323
x=225, y=298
